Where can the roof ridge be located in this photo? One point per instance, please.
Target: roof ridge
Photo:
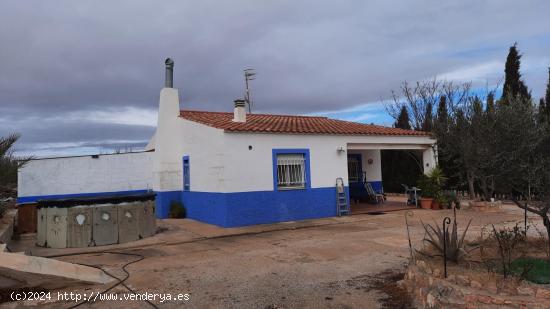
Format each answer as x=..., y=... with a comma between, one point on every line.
x=273, y=123
x=260, y=114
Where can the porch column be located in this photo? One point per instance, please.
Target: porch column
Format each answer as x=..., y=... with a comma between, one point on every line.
x=429, y=159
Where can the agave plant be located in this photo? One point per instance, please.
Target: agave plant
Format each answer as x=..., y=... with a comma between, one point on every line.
x=455, y=246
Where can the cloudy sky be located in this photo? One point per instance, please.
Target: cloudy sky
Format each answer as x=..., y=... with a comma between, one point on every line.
x=80, y=77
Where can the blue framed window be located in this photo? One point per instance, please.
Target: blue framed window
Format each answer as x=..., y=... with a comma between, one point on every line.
x=291, y=169
x=186, y=174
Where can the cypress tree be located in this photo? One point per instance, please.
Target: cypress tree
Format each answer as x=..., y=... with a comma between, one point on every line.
x=547, y=97
x=403, y=121
x=427, y=126
x=442, y=116
x=513, y=84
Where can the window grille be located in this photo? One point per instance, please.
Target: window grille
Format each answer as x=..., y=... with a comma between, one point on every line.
x=291, y=171
x=354, y=170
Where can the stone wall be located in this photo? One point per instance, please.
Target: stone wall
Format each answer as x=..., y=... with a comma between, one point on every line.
x=429, y=289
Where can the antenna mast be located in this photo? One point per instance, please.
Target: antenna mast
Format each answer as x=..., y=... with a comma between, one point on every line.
x=249, y=75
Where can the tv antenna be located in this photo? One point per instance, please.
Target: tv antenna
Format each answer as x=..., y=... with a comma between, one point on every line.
x=249, y=75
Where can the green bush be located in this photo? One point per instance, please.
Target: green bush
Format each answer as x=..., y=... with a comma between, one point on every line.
x=177, y=210
x=532, y=269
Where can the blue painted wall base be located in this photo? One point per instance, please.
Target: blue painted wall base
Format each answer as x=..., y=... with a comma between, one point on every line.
x=163, y=201
x=260, y=207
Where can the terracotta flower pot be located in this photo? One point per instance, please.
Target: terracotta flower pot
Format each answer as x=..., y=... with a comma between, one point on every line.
x=426, y=203
x=436, y=205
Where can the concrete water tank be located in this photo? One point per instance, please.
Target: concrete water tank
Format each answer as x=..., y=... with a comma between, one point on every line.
x=105, y=230
x=79, y=226
x=96, y=221
x=128, y=222
x=41, y=226
x=147, y=221
x=56, y=227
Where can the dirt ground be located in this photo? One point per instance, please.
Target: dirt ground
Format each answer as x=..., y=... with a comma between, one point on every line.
x=348, y=262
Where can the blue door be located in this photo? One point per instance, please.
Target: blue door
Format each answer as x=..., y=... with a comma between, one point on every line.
x=355, y=178
x=186, y=176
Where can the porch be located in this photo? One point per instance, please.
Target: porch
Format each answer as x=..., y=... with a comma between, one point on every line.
x=365, y=165
x=392, y=203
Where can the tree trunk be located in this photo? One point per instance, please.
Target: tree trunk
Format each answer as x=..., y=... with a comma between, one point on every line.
x=471, y=190
x=484, y=188
x=546, y=222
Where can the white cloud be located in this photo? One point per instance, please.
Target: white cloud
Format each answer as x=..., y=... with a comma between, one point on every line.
x=480, y=72
x=127, y=116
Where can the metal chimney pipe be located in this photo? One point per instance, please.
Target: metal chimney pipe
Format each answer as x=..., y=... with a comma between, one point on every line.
x=169, y=77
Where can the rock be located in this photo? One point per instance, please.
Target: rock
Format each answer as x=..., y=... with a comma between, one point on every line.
x=431, y=300
x=543, y=293
x=484, y=299
x=476, y=285
x=498, y=301
x=526, y=291
x=410, y=274
x=463, y=280
x=492, y=287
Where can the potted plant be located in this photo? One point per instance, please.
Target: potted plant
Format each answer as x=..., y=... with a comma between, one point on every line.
x=431, y=188
x=428, y=191
x=440, y=201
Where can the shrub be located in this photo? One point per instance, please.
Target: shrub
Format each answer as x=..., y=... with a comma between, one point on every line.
x=177, y=210
x=508, y=239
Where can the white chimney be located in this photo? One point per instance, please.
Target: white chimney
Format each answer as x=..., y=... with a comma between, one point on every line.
x=239, y=113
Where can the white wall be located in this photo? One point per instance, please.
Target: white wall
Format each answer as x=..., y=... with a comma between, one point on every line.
x=222, y=162
x=73, y=175
x=252, y=170
x=205, y=148
x=374, y=170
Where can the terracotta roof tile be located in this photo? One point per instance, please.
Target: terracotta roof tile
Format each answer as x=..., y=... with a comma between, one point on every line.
x=264, y=123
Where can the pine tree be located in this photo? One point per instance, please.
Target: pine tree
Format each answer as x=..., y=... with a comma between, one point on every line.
x=542, y=110
x=547, y=97
x=403, y=121
x=513, y=84
x=427, y=125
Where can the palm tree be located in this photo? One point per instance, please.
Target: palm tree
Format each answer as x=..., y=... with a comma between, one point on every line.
x=9, y=163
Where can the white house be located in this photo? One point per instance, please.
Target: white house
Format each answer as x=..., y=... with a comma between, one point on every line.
x=232, y=169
